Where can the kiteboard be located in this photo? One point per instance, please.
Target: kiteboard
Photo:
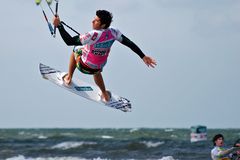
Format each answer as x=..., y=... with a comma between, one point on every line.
x=84, y=89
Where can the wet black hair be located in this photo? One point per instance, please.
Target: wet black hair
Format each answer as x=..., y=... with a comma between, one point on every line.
x=216, y=137
x=105, y=17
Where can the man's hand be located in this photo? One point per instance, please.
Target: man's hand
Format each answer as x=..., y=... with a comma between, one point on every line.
x=56, y=21
x=149, y=61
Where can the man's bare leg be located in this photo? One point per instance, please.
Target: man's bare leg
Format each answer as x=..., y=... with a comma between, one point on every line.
x=100, y=83
x=72, y=65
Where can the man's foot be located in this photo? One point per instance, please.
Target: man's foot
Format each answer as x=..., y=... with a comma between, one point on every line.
x=67, y=79
x=106, y=96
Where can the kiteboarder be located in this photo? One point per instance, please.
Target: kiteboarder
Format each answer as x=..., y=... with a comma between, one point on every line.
x=91, y=49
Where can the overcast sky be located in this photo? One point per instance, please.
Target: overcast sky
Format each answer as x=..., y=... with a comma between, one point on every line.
x=195, y=43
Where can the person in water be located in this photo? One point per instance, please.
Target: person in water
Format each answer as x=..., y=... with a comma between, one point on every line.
x=92, y=49
x=220, y=153
x=236, y=155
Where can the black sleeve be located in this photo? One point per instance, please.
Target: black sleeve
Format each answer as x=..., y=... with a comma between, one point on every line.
x=67, y=38
x=127, y=42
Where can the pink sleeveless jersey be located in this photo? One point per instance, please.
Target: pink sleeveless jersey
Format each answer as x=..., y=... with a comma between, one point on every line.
x=97, y=45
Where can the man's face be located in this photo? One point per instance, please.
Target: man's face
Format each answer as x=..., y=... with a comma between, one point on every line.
x=96, y=23
x=219, y=142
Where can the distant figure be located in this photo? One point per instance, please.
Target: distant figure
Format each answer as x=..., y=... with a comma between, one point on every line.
x=220, y=153
x=236, y=155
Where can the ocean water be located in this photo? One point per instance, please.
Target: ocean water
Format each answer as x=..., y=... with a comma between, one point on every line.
x=81, y=144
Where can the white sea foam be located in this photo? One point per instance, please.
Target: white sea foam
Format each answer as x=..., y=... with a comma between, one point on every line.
x=167, y=158
x=21, y=133
x=168, y=130
x=28, y=134
x=174, y=136
x=69, y=145
x=106, y=137
x=42, y=137
x=39, y=136
x=134, y=130
x=68, y=134
x=21, y=157
x=151, y=144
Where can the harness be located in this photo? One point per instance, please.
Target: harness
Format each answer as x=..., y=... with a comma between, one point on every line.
x=81, y=66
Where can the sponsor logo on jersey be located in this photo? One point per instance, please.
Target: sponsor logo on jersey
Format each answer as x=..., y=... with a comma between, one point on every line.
x=85, y=37
x=95, y=34
x=106, y=44
x=99, y=52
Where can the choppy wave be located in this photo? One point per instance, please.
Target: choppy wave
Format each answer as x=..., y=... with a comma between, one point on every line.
x=136, y=143
x=68, y=134
x=106, y=137
x=24, y=134
x=21, y=157
x=168, y=130
x=70, y=145
x=174, y=136
x=151, y=144
x=134, y=130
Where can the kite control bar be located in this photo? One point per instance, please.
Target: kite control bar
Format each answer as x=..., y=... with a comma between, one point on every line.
x=56, y=11
x=51, y=29
x=49, y=2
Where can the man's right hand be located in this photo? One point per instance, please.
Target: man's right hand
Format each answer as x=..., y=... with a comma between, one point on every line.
x=56, y=21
